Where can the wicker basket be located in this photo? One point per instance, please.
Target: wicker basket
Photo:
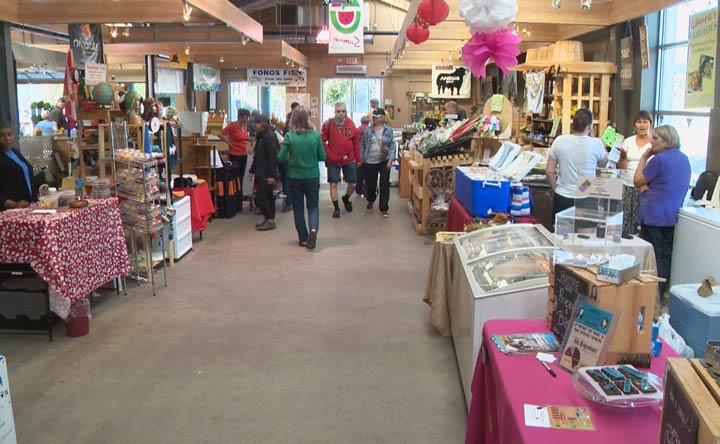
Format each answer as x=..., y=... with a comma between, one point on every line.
x=543, y=54
x=532, y=55
x=568, y=51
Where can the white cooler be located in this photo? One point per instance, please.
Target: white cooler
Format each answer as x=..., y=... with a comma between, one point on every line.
x=695, y=318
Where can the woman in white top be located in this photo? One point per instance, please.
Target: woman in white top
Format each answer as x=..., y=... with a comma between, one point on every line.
x=573, y=155
x=630, y=154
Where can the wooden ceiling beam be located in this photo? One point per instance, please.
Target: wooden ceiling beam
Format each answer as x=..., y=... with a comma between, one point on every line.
x=630, y=9
x=229, y=14
x=9, y=11
x=178, y=34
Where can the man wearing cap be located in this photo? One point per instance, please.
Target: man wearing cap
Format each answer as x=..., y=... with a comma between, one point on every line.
x=375, y=104
x=264, y=171
x=343, y=153
x=56, y=114
x=377, y=151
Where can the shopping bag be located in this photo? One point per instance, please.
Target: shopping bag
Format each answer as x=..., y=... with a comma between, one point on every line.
x=520, y=200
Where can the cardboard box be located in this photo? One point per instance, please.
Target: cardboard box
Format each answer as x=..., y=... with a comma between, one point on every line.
x=691, y=409
x=635, y=299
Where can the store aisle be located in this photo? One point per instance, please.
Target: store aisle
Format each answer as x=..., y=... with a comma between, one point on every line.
x=256, y=340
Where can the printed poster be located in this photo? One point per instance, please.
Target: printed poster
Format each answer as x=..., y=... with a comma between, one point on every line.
x=7, y=423
x=95, y=73
x=276, y=77
x=346, y=28
x=86, y=44
x=589, y=335
x=206, y=78
x=702, y=44
x=450, y=82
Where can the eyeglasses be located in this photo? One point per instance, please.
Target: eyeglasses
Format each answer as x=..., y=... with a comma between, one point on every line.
x=340, y=111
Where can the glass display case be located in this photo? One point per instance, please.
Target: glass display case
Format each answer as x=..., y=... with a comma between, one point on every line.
x=499, y=273
x=592, y=230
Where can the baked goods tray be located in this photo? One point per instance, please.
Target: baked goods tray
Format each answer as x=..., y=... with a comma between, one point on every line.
x=619, y=386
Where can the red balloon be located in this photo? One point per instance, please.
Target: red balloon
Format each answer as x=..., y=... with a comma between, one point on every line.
x=433, y=11
x=417, y=34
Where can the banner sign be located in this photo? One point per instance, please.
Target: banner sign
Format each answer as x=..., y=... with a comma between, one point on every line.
x=206, y=78
x=450, y=82
x=626, y=63
x=95, y=73
x=702, y=47
x=346, y=28
x=276, y=77
x=86, y=44
x=644, y=47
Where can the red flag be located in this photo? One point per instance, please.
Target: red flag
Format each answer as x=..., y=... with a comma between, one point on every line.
x=69, y=93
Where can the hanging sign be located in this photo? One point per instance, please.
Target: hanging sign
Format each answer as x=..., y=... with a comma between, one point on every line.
x=206, y=78
x=644, y=47
x=346, y=28
x=7, y=423
x=86, y=44
x=276, y=77
x=702, y=47
x=450, y=82
x=95, y=73
x=626, y=65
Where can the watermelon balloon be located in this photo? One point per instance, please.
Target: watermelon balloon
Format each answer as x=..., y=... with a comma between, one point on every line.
x=103, y=94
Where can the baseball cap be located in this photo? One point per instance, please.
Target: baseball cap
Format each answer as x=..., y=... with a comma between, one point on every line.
x=262, y=118
x=377, y=112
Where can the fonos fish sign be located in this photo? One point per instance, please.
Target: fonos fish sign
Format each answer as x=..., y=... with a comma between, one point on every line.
x=346, y=28
x=276, y=77
x=450, y=82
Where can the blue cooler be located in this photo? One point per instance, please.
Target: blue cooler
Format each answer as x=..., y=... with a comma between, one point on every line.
x=481, y=196
x=694, y=317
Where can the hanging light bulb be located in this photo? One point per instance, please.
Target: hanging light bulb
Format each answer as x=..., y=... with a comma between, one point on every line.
x=113, y=32
x=585, y=4
x=222, y=59
x=186, y=12
x=187, y=49
x=556, y=4
x=244, y=40
x=126, y=32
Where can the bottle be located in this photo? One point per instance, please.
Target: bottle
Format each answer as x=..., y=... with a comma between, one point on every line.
x=78, y=189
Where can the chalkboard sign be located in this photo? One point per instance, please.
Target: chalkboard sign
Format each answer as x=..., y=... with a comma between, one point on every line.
x=679, y=420
x=568, y=285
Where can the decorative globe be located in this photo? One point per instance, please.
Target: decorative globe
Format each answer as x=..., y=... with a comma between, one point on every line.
x=103, y=94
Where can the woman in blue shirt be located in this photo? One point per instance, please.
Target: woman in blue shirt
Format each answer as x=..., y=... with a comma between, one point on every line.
x=663, y=176
x=16, y=174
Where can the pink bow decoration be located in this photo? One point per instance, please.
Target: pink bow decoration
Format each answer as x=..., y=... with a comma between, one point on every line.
x=501, y=46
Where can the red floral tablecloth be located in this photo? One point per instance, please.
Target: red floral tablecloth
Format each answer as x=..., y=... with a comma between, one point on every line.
x=74, y=251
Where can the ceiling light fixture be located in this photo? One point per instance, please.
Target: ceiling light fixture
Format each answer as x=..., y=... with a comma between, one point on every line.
x=113, y=32
x=323, y=37
x=126, y=32
x=187, y=49
x=222, y=59
x=186, y=12
x=244, y=39
x=556, y=4
x=585, y=4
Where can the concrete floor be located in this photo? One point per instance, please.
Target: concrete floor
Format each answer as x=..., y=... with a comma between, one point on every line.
x=255, y=340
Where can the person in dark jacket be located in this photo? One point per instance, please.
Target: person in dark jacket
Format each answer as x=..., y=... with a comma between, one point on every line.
x=17, y=187
x=264, y=170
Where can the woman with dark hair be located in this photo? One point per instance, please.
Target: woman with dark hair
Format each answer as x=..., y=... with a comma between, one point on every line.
x=303, y=149
x=17, y=189
x=632, y=150
x=573, y=155
x=664, y=173
x=237, y=136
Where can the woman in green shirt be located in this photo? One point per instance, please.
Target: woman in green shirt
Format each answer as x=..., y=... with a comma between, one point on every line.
x=303, y=150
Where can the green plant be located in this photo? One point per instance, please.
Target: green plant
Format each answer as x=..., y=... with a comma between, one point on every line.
x=336, y=90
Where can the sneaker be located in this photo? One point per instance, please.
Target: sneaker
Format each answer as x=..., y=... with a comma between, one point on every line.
x=265, y=226
x=385, y=214
x=312, y=240
x=369, y=206
x=336, y=214
x=347, y=203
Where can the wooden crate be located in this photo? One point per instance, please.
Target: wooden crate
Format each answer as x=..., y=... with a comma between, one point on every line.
x=421, y=197
x=691, y=410
x=405, y=184
x=628, y=346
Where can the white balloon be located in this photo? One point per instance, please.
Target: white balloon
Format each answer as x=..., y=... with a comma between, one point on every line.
x=488, y=15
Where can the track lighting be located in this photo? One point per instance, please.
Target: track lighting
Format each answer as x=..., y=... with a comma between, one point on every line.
x=585, y=4
x=113, y=32
x=186, y=11
x=556, y=4
x=126, y=32
x=244, y=40
x=222, y=59
x=187, y=49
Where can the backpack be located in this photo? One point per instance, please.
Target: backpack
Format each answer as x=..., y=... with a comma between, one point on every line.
x=705, y=183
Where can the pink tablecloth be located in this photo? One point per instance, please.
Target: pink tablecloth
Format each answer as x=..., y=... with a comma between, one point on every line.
x=201, y=206
x=458, y=217
x=74, y=251
x=502, y=384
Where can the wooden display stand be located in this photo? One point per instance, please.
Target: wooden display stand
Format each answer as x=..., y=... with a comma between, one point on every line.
x=420, y=197
x=578, y=85
x=404, y=184
x=628, y=346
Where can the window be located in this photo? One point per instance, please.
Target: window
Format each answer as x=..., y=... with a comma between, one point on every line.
x=693, y=125
x=242, y=95
x=355, y=93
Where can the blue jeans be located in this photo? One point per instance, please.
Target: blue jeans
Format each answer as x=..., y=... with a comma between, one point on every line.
x=302, y=190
